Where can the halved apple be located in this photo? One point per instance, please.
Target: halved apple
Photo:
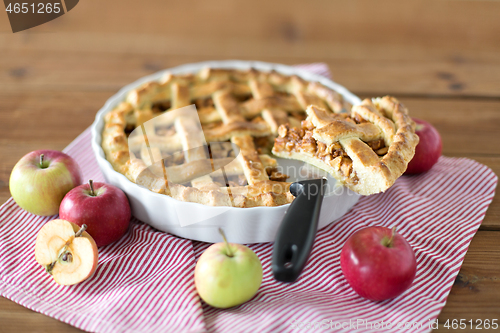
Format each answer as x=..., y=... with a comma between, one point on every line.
x=66, y=251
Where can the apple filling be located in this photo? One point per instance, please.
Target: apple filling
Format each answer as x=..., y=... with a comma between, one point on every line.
x=301, y=140
x=160, y=107
x=264, y=144
x=240, y=180
x=275, y=175
x=202, y=103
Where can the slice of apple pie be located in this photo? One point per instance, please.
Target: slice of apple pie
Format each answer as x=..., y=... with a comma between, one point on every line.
x=366, y=150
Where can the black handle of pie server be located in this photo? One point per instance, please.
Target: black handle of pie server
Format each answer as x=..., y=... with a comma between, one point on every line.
x=297, y=231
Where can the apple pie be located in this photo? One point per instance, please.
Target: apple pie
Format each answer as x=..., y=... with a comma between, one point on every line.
x=220, y=155
x=365, y=150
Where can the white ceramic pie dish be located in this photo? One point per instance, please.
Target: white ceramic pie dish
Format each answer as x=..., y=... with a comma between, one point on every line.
x=200, y=222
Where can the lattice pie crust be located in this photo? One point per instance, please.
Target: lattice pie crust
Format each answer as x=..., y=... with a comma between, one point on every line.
x=368, y=148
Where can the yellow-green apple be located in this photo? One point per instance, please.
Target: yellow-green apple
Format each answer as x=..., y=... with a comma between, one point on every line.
x=41, y=179
x=104, y=208
x=227, y=274
x=67, y=251
x=428, y=149
x=378, y=263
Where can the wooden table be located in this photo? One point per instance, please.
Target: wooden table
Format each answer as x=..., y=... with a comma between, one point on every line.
x=441, y=58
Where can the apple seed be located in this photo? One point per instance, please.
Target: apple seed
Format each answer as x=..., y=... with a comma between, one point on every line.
x=67, y=257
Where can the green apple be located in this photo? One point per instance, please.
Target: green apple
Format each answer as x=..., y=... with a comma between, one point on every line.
x=41, y=179
x=227, y=274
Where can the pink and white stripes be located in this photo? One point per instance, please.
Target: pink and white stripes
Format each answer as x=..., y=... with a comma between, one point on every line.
x=144, y=282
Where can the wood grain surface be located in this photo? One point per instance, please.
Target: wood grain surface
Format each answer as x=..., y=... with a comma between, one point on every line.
x=440, y=57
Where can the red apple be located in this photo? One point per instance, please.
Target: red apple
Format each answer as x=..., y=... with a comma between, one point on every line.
x=378, y=263
x=41, y=179
x=102, y=207
x=428, y=149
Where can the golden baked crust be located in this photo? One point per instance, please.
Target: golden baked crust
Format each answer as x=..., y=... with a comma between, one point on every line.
x=243, y=107
x=366, y=150
x=367, y=147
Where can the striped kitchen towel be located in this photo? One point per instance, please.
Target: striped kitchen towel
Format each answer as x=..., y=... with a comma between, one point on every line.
x=144, y=282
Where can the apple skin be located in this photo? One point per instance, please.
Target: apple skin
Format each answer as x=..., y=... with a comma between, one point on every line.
x=223, y=281
x=428, y=149
x=375, y=271
x=41, y=190
x=107, y=214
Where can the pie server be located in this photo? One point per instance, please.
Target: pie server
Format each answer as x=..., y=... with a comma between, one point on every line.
x=297, y=231
x=296, y=234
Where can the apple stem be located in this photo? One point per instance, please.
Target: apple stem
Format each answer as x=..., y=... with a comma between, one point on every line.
x=389, y=243
x=229, y=252
x=81, y=230
x=91, y=184
x=41, y=161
